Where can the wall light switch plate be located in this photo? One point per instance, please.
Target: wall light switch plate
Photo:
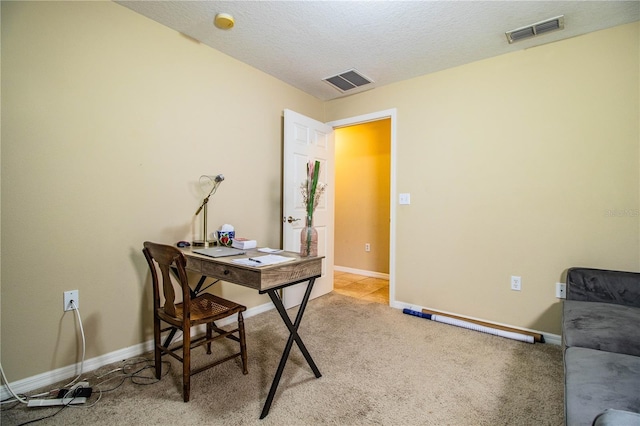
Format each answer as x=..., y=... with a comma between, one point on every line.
x=405, y=198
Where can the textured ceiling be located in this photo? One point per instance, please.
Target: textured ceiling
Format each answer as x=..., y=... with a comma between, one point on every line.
x=303, y=42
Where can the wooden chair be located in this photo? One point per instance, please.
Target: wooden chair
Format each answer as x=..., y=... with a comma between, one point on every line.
x=205, y=308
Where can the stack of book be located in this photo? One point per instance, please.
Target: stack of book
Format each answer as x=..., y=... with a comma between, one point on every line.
x=244, y=243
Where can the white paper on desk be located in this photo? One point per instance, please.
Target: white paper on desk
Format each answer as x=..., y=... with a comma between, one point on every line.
x=270, y=259
x=269, y=250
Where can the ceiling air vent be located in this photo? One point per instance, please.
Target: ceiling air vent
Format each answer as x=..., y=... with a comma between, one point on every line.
x=536, y=29
x=348, y=80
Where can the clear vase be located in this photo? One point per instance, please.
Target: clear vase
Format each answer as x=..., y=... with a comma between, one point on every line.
x=309, y=239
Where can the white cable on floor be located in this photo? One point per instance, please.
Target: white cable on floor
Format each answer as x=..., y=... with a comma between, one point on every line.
x=24, y=401
x=6, y=383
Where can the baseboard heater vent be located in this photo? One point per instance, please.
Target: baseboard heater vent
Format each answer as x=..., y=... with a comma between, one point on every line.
x=536, y=29
x=523, y=336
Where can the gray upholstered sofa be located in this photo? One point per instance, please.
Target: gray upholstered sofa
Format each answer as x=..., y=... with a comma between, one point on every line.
x=601, y=342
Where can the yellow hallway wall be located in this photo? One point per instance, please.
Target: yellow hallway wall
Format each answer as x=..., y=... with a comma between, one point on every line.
x=362, y=162
x=108, y=121
x=524, y=164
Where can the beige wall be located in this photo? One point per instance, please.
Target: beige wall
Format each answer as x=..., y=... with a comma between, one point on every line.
x=514, y=165
x=108, y=121
x=362, y=161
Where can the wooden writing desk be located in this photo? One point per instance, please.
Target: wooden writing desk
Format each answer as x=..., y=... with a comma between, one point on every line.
x=266, y=279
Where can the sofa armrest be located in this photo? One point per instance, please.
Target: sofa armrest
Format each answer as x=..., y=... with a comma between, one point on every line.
x=611, y=417
x=599, y=285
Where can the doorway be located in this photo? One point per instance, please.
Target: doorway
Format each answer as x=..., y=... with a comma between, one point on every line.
x=363, y=209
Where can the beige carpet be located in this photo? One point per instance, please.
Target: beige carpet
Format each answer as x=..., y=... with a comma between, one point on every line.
x=379, y=367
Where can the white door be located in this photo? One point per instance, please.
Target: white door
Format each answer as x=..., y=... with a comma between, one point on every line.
x=307, y=140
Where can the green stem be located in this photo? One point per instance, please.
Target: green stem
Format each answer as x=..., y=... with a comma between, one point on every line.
x=312, y=194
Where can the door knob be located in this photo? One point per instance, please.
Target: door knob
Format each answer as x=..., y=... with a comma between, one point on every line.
x=291, y=220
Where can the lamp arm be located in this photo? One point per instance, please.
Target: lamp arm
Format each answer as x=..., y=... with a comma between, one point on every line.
x=206, y=199
x=204, y=202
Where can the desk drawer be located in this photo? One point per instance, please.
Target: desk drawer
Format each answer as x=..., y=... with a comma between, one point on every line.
x=261, y=279
x=236, y=275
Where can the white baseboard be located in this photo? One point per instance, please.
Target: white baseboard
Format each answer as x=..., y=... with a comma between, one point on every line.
x=553, y=339
x=361, y=272
x=51, y=377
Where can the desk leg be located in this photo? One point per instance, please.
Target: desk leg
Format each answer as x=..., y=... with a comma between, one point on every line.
x=293, y=336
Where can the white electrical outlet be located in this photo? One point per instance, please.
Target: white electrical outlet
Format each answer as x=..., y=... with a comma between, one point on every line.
x=367, y=247
x=516, y=283
x=68, y=297
x=561, y=290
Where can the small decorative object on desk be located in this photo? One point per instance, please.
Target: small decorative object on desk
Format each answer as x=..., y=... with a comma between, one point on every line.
x=244, y=243
x=225, y=235
x=311, y=192
x=309, y=239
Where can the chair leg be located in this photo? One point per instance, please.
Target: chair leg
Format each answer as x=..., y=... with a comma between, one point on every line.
x=156, y=349
x=243, y=343
x=186, y=364
x=209, y=334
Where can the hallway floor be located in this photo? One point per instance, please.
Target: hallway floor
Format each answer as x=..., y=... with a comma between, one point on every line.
x=361, y=287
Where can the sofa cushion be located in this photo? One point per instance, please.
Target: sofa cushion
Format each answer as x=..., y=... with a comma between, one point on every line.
x=603, y=326
x=597, y=380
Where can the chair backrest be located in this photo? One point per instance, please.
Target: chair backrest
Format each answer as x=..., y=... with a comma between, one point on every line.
x=167, y=257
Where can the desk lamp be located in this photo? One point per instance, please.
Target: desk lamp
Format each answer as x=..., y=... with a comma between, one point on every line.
x=206, y=181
